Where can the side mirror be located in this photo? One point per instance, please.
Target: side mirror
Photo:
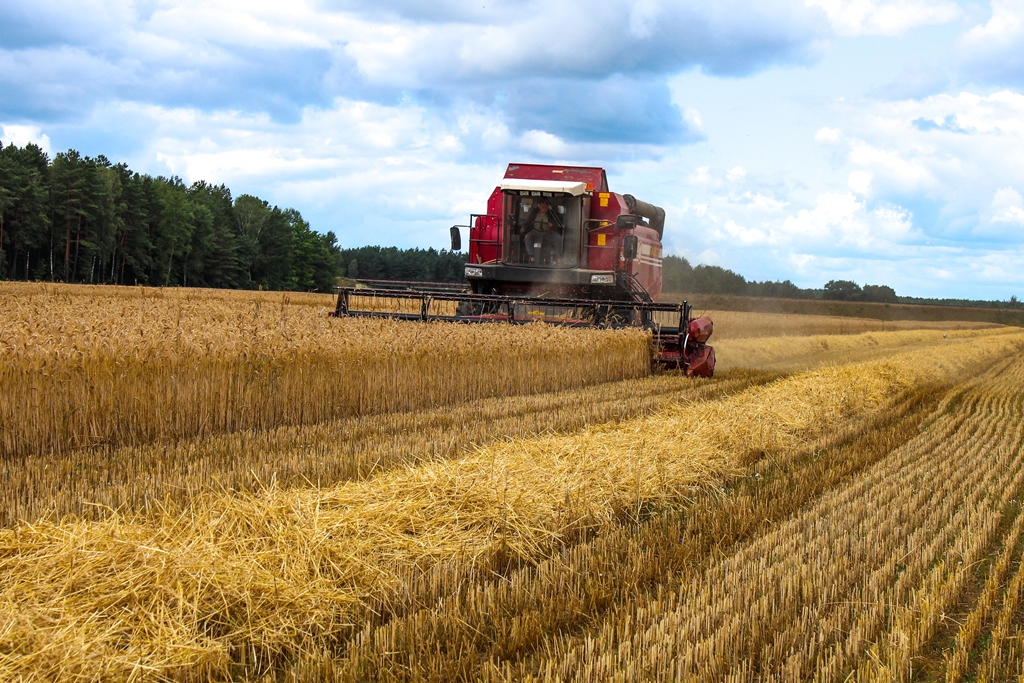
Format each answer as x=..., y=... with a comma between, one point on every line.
x=626, y=221
x=456, y=239
x=630, y=247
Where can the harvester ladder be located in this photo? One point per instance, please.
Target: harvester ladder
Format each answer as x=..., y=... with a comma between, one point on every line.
x=629, y=283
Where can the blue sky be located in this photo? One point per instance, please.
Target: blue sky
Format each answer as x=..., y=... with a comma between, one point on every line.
x=873, y=140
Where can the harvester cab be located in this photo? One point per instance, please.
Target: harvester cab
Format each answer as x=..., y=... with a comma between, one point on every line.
x=558, y=231
x=557, y=245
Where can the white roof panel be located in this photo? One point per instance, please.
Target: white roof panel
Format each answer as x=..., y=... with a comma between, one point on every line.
x=566, y=186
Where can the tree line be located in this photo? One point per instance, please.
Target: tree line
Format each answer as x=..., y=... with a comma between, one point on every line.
x=392, y=263
x=81, y=219
x=679, y=277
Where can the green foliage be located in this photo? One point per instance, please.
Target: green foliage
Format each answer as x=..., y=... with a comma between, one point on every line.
x=882, y=294
x=843, y=290
x=24, y=219
x=82, y=219
x=391, y=263
x=678, y=276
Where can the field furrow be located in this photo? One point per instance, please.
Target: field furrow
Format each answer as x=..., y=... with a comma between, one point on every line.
x=957, y=661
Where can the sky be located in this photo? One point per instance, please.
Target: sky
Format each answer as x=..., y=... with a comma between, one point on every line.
x=871, y=140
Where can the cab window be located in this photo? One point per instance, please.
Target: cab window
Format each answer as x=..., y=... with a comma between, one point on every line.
x=542, y=229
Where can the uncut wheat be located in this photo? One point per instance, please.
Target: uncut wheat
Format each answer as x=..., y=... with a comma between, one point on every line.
x=78, y=372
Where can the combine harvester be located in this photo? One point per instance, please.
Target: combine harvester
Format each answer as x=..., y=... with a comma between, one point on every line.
x=556, y=246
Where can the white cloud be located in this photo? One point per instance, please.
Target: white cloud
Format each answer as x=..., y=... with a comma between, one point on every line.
x=693, y=119
x=762, y=203
x=701, y=176
x=1004, y=26
x=710, y=257
x=843, y=220
x=860, y=182
x=905, y=175
x=994, y=51
x=827, y=135
x=736, y=174
x=840, y=220
x=281, y=58
x=22, y=135
x=952, y=159
x=745, y=236
x=544, y=144
x=1008, y=207
x=801, y=261
x=881, y=17
x=950, y=153
x=371, y=173
x=260, y=25
x=621, y=35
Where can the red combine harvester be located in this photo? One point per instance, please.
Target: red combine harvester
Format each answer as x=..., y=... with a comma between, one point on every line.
x=556, y=246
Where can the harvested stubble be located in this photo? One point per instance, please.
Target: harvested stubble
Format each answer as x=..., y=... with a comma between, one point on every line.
x=88, y=483
x=957, y=661
x=455, y=636
x=78, y=372
x=854, y=588
x=261, y=580
x=1003, y=659
x=744, y=325
x=802, y=353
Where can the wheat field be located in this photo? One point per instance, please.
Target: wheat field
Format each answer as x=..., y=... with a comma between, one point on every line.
x=126, y=367
x=445, y=502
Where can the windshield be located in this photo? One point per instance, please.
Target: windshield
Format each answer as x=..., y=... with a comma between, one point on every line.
x=542, y=229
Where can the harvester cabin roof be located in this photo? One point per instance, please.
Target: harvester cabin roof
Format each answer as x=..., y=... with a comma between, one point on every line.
x=525, y=185
x=593, y=177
